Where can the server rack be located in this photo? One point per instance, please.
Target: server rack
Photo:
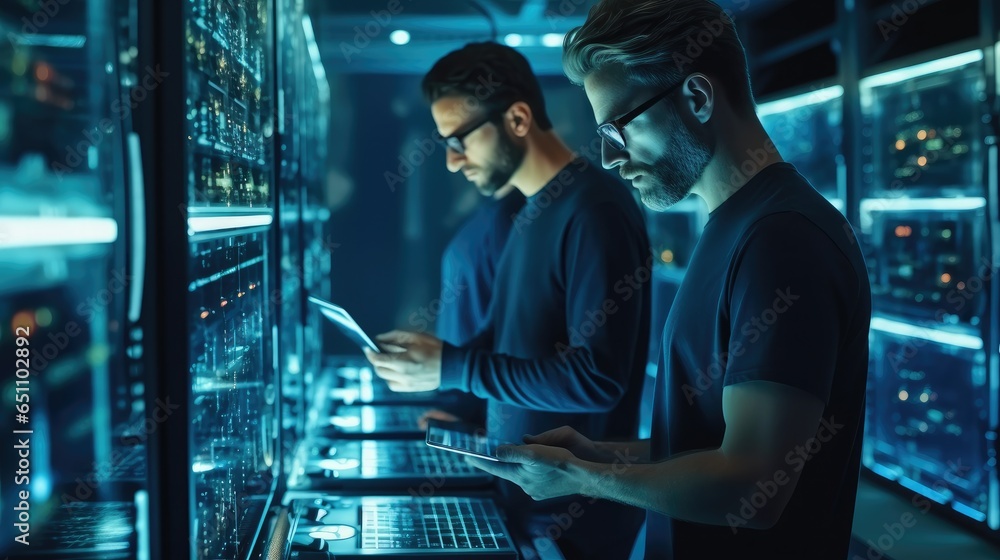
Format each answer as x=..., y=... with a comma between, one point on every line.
x=925, y=225
x=71, y=279
x=208, y=148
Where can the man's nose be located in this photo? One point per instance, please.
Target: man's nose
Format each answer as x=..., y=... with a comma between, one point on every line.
x=612, y=157
x=454, y=160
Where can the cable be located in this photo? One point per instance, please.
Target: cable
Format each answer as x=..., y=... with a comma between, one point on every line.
x=489, y=18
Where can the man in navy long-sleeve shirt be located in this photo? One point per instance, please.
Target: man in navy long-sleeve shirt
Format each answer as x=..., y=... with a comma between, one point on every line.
x=569, y=325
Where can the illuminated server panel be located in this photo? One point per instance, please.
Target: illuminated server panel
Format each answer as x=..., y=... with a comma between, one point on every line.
x=923, y=222
x=219, y=295
x=290, y=336
x=806, y=130
x=303, y=108
x=232, y=392
x=231, y=309
x=228, y=106
x=318, y=245
x=75, y=480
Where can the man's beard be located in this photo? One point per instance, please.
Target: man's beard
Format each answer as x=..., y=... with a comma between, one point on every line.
x=671, y=178
x=509, y=156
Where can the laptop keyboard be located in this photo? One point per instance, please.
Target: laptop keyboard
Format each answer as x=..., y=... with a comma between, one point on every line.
x=435, y=523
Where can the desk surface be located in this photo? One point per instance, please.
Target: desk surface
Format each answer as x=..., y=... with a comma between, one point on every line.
x=928, y=537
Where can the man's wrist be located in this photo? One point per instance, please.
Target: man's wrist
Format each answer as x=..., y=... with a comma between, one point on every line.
x=452, y=368
x=590, y=477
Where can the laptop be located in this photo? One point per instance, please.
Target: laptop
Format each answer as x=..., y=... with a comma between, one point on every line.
x=372, y=422
x=328, y=527
x=381, y=464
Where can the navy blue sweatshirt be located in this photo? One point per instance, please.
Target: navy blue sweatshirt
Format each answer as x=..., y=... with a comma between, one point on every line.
x=468, y=271
x=569, y=331
x=468, y=268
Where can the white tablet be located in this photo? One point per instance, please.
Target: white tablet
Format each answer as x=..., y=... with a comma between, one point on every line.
x=345, y=323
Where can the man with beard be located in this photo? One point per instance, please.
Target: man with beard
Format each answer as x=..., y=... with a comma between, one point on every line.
x=569, y=324
x=759, y=406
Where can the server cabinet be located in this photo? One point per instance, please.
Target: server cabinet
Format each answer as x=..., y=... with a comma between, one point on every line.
x=209, y=153
x=926, y=229
x=76, y=424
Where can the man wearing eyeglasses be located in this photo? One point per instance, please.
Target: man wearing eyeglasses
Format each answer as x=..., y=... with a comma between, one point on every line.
x=760, y=390
x=569, y=325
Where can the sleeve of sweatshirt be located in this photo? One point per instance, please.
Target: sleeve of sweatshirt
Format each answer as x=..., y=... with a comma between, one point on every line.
x=603, y=253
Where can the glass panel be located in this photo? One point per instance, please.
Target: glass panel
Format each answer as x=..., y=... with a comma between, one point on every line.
x=82, y=486
x=77, y=423
x=927, y=416
x=924, y=264
x=290, y=333
x=232, y=399
x=925, y=129
x=229, y=116
x=806, y=130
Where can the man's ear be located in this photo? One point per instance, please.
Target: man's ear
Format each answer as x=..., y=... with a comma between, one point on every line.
x=519, y=119
x=699, y=97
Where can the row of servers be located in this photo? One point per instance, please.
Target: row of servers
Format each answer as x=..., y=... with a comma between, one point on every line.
x=148, y=417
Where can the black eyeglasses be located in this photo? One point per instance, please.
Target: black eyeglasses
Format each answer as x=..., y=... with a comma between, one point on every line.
x=612, y=131
x=454, y=142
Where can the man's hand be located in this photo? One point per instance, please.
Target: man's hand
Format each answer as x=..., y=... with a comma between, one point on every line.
x=542, y=471
x=572, y=440
x=436, y=415
x=416, y=367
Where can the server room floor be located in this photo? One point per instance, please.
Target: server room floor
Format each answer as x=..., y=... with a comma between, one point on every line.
x=880, y=533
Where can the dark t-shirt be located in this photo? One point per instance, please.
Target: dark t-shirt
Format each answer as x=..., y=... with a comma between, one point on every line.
x=569, y=335
x=777, y=291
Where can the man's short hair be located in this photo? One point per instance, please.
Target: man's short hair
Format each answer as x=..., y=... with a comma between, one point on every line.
x=659, y=43
x=489, y=75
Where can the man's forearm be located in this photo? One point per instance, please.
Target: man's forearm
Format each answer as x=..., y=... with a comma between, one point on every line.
x=703, y=487
x=611, y=451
